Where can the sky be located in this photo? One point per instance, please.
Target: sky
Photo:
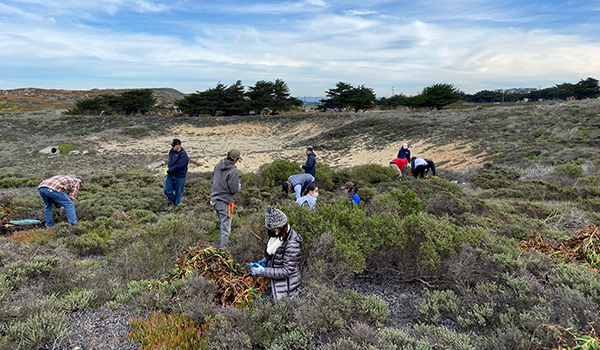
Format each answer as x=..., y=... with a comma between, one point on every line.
x=389, y=46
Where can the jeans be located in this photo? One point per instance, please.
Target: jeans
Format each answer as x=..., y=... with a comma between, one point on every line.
x=59, y=199
x=174, y=188
x=221, y=208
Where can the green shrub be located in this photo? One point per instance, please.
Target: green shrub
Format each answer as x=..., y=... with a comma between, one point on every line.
x=370, y=174
x=569, y=169
x=437, y=303
x=36, y=331
x=78, y=299
x=398, y=202
x=366, y=194
x=9, y=182
x=537, y=133
x=437, y=238
x=41, y=266
x=324, y=177
x=89, y=244
x=279, y=171
x=143, y=216
x=494, y=176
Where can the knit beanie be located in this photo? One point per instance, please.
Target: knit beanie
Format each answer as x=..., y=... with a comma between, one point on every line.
x=274, y=218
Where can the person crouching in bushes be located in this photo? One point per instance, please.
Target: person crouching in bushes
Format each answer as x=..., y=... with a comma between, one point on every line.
x=310, y=197
x=430, y=165
x=398, y=164
x=350, y=190
x=418, y=167
x=282, y=258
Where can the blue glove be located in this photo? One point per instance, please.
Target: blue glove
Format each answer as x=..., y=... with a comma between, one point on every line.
x=256, y=269
x=262, y=263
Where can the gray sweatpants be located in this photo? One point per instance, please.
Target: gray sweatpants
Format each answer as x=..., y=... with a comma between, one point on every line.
x=221, y=208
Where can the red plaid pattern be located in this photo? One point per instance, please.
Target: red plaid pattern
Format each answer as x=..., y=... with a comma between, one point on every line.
x=62, y=183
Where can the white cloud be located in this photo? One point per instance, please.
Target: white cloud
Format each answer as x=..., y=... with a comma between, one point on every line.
x=360, y=12
x=316, y=2
x=311, y=53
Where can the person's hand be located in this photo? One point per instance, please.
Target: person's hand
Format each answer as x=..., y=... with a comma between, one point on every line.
x=256, y=269
x=262, y=263
x=166, y=172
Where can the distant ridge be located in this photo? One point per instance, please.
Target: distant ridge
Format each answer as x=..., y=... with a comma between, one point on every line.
x=35, y=98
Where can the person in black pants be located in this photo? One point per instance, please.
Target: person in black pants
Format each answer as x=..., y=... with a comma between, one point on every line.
x=418, y=167
x=430, y=165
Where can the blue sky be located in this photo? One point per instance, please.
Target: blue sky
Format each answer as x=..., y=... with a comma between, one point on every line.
x=311, y=44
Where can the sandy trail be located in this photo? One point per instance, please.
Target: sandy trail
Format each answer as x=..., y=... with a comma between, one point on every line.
x=261, y=144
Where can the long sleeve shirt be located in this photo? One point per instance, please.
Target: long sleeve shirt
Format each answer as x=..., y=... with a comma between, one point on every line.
x=63, y=183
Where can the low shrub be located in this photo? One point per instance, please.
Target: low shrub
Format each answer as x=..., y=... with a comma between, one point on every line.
x=278, y=171
x=89, y=244
x=36, y=331
x=569, y=169
x=78, y=299
x=172, y=331
x=438, y=238
x=9, y=182
x=39, y=236
x=143, y=216
x=324, y=177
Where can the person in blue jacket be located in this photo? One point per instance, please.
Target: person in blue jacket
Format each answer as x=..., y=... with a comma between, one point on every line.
x=176, y=173
x=404, y=153
x=311, y=162
x=350, y=190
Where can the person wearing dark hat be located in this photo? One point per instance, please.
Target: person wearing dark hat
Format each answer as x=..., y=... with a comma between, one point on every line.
x=281, y=263
x=350, y=190
x=176, y=173
x=60, y=191
x=311, y=162
x=226, y=184
x=297, y=183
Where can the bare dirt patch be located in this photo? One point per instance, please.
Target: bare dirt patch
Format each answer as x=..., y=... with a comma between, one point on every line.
x=262, y=143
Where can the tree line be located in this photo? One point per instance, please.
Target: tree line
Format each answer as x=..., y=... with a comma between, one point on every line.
x=274, y=97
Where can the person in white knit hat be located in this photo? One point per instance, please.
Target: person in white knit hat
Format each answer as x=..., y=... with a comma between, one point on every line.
x=282, y=258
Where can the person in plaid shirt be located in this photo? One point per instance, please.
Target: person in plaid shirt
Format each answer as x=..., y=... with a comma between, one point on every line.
x=60, y=190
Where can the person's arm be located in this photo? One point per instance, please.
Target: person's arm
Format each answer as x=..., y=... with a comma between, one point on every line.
x=180, y=164
x=74, y=190
x=310, y=163
x=233, y=182
x=291, y=262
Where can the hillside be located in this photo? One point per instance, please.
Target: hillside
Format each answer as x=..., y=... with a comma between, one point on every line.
x=31, y=99
x=498, y=252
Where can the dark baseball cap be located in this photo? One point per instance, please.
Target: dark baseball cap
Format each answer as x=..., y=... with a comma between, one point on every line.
x=176, y=142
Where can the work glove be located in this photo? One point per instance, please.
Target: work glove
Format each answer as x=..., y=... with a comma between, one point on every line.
x=262, y=263
x=257, y=270
x=166, y=172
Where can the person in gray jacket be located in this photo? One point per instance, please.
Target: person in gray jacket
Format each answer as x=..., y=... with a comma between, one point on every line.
x=226, y=184
x=282, y=258
x=297, y=183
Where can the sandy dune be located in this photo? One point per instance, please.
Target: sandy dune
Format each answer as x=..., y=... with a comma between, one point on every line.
x=261, y=144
